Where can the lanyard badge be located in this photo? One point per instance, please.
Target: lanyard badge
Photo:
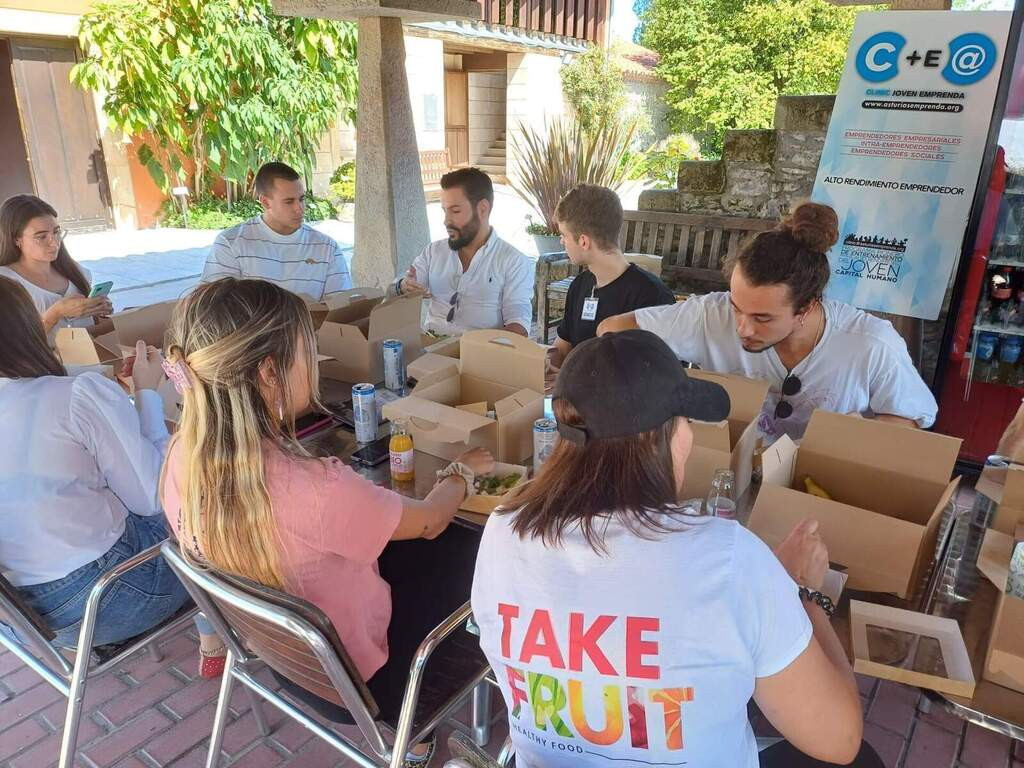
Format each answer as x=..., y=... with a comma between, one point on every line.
x=590, y=307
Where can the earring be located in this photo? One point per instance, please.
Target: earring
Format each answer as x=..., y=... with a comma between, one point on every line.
x=280, y=410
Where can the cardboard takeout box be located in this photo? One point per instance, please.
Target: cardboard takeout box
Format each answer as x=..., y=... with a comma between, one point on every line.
x=728, y=444
x=499, y=368
x=1005, y=487
x=484, y=505
x=1004, y=660
x=354, y=330
x=889, y=485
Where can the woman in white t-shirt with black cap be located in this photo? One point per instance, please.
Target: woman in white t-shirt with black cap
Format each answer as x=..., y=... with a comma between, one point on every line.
x=623, y=631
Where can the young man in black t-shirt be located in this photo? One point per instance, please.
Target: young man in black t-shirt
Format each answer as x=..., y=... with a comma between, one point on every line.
x=590, y=218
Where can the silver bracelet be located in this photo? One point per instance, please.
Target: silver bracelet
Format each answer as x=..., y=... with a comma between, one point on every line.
x=458, y=469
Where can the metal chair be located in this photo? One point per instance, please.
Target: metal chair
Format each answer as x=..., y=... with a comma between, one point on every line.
x=49, y=663
x=296, y=639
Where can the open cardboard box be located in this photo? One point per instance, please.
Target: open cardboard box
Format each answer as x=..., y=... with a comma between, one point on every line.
x=449, y=346
x=1005, y=487
x=728, y=444
x=355, y=328
x=484, y=505
x=499, y=368
x=889, y=484
x=79, y=350
x=1004, y=661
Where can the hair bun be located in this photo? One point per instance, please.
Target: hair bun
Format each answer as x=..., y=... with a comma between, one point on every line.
x=813, y=225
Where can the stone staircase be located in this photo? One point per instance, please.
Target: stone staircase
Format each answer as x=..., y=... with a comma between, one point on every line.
x=494, y=161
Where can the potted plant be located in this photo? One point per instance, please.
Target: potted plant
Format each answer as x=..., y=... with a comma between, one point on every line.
x=554, y=160
x=546, y=239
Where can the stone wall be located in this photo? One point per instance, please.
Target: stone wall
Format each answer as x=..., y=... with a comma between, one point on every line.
x=761, y=173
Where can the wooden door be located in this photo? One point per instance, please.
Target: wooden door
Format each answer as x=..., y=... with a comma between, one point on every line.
x=61, y=133
x=456, y=116
x=15, y=176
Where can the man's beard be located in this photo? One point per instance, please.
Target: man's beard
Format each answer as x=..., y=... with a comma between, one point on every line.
x=466, y=235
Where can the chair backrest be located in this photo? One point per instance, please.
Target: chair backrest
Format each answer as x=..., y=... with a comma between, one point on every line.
x=693, y=247
x=290, y=635
x=30, y=627
x=434, y=163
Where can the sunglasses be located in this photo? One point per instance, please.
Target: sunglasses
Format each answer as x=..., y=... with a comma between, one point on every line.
x=454, y=304
x=790, y=386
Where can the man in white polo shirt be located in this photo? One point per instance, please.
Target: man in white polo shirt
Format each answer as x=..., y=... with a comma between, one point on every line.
x=278, y=245
x=475, y=279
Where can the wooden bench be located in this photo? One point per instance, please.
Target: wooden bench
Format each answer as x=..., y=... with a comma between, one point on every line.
x=693, y=249
x=434, y=163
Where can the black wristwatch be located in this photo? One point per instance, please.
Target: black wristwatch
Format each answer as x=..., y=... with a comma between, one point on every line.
x=818, y=598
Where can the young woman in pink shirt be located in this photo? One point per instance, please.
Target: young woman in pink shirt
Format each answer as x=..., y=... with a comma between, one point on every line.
x=243, y=495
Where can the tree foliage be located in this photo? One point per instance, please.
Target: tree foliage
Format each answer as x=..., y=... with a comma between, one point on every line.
x=594, y=87
x=224, y=83
x=727, y=61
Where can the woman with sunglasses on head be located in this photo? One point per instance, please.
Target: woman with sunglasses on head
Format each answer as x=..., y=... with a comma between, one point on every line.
x=625, y=632
x=244, y=496
x=774, y=324
x=32, y=252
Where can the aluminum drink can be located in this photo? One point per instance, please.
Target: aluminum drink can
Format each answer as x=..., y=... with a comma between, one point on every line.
x=394, y=365
x=545, y=436
x=364, y=412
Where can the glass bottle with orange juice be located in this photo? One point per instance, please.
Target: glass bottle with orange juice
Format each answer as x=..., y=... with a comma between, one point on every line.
x=400, y=449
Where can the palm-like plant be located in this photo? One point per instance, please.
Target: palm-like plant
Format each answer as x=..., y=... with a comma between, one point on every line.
x=554, y=160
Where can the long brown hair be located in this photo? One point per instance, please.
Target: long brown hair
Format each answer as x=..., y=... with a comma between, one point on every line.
x=631, y=478
x=792, y=254
x=223, y=332
x=24, y=350
x=15, y=214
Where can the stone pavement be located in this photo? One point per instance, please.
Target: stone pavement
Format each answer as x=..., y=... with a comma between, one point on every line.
x=152, y=265
x=147, y=714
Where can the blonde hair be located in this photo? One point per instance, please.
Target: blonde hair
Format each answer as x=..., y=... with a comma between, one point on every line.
x=223, y=333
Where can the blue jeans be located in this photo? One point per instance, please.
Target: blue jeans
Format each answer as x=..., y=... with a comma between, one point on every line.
x=144, y=597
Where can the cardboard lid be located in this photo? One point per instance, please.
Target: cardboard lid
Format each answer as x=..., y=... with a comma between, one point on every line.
x=994, y=558
x=75, y=347
x=430, y=368
x=498, y=355
x=148, y=323
x=441, y=422
x=395, y=316
x=746, y=396
x=903, y=450
x=509, y=405
x=1003, y=485
x=714, y=436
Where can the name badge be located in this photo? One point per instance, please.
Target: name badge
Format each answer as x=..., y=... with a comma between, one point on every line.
x=589, y=309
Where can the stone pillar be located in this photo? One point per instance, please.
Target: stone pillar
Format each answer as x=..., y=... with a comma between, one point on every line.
x=391, y=209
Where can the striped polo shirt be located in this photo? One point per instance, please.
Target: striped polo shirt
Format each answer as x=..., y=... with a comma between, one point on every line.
x=306, y=262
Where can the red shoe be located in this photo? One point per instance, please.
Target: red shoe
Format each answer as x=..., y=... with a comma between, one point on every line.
x=211, y=664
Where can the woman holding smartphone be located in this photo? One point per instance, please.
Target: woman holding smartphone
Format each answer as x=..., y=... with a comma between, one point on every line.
x=32, y=252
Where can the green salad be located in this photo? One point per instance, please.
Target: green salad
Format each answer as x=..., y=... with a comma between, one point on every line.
x=496, y=485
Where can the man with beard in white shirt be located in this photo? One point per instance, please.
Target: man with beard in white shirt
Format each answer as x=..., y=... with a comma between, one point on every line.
x=475, y=279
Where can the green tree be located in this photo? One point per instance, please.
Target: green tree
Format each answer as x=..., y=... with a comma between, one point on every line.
x=594, y=87
x=727, y=61
x=225, y=83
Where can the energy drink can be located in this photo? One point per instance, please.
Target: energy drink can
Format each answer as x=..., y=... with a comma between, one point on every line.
x=394, y=365
x=364, y=412
x=545, y=436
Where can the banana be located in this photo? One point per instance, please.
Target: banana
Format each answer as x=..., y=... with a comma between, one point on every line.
x=814, y=489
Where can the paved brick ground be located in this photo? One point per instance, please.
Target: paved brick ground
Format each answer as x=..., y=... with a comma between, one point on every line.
x=148, y=714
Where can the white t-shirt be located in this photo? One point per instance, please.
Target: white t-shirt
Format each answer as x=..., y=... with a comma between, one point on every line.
x=646, y=655
x=83, y=459
x=306, y=262
x=861, y=365
x=44, y=299
x=496, y=290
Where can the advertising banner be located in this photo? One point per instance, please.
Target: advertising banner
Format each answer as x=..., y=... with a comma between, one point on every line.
x=903, y=151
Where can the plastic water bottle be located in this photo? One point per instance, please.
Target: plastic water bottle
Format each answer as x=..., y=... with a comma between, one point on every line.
x=722, y=497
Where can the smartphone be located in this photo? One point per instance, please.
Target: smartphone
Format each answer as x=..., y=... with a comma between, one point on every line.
x=101, y=289
x=312, y=422
x=372, y=454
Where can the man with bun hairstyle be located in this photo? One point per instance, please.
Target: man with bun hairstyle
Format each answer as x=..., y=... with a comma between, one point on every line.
x=773, y=324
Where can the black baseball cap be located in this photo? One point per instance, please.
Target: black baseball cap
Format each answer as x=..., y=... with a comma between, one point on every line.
x=629, y=383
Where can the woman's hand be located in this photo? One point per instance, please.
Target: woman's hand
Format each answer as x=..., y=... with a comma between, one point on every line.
x=74, y=307
x=804, y=556
x=147, y=370
x=479, y=460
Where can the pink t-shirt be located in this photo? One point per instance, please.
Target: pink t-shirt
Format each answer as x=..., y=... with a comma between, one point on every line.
x=332, y=526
